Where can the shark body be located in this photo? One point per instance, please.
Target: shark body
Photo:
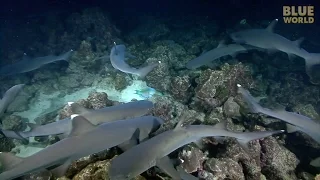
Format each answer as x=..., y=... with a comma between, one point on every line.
x=9, y=97
x=296, y=122
x=151, y=152
x=267, y=39
x=118, y=61
x=29, y=64
x=96, y=117
x=220, y=51
x=84, y=139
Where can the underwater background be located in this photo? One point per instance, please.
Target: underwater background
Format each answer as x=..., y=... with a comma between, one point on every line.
x=173, y=33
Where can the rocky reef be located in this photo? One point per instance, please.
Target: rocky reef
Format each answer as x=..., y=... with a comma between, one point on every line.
x=204, y=96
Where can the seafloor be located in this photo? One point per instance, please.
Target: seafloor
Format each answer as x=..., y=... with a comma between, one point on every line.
x=207, y=95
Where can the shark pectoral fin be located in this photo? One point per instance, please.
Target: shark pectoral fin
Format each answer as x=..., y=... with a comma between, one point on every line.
x=80, y=125
x=298, y=41
x=199, y=143
x=291, y=56
x=292, y=128
x=315, y=162
x=78, y=109
x=222, y=43
x=184, y=175
x=61, y=170
x=32, y=125
x=8, y=160
x=62, y=136
x=221, y=125
x=166, y=165
x=244, y=144
x=234, y=55
x=271, y=26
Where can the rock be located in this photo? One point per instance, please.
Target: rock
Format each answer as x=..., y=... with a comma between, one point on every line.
x=277, y=161
x=99, y=100
x=307, y=110
x=47, y=118
x=180, y=88
x=224, y=168
x=191, y=159
x=13, y=122
x=231, y=108
x=214, y=87
x=120, y=82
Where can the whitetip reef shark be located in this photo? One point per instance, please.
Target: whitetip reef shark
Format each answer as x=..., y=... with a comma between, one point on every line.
x=84, y=139
x=220, y=51
x=149, y=153
x=295, y=122
x=9, y=96
x=96, y=117
x=118, y=60
x=29, y=64
x=267, y=39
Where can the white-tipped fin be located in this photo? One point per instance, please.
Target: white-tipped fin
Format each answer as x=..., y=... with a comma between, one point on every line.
x=74, y=115
x=8, y=160
x=272, y=25
x=69, y=103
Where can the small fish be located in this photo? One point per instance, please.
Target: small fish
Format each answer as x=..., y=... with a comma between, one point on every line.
x=147, y=93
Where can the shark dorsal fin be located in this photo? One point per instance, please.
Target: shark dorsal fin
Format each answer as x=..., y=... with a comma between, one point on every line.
x=25, y=57
x=77, y=108
x=222, y=43
x=182, y=119
x=9, y=160
x=298, y=41
x=271, y=26
x=80, y=125
x=221, y=125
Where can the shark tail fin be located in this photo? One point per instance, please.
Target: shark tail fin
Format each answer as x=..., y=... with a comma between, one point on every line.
x=312, y=60
x=14, y=135
x=143, y=72
x=244, y=138
x=9, y=160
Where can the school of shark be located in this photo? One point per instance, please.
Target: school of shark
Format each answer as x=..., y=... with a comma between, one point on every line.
x=130, y=126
